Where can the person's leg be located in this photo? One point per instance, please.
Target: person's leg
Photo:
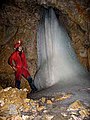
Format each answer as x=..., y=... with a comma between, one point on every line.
x=31, y=83
x=17, y=79
x=27, y=75
x=17, y=84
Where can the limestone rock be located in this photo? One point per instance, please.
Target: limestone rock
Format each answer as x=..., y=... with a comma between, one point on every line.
x=26, y=100
x=59, y=117
x=49, y=102
x=25, y=117
x=76, y=105
x=40, y=108
x=15, y=117
x=84, y=113
x=79, y=111
x=63, y=97
x=47, y=117
x=2, y=118
x=11, y=99
x=43, y=99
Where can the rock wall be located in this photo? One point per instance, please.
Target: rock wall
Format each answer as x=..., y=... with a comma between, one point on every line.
x=17, y=23
x=19, y=20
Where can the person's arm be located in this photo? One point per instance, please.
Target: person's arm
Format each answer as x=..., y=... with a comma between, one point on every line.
x=11, y=62
x=24, y=61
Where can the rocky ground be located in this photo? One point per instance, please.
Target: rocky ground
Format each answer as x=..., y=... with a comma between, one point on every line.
x=19, y=19
x=14, y=105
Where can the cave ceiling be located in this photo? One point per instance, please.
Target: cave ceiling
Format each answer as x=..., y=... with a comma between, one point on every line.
x=76, y=10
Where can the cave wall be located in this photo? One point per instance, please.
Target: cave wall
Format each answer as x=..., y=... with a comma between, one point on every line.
x=19, y=20
x=17, y=23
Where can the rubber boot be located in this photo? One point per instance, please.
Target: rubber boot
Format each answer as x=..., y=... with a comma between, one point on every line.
x=31, y=83
x=17, y=84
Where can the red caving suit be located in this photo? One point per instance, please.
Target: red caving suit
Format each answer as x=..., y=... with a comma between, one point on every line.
x=20, y=65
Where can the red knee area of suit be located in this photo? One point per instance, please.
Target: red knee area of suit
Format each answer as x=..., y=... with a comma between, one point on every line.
x=21, y=71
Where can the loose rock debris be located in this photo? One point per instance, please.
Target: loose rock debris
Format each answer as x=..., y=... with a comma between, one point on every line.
x=14, y=105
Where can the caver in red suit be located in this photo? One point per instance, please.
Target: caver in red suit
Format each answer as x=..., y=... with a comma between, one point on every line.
x=18, y=62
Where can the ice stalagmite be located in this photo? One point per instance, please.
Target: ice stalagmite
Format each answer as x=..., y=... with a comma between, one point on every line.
x=57, y=60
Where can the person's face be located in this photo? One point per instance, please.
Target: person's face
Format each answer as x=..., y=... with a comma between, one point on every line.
x=20, y=48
